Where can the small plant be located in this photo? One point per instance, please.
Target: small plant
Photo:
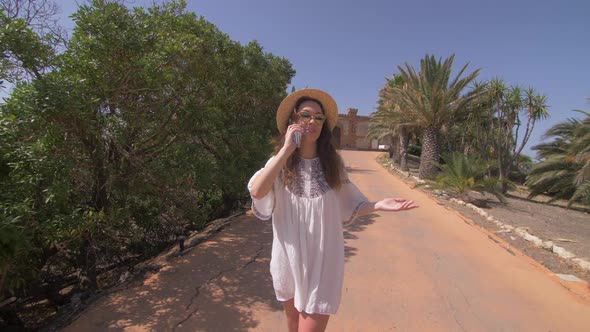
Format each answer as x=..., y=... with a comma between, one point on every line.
x=462, y=174
x=415, y=150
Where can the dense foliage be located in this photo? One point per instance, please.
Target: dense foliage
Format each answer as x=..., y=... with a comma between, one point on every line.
x=483, y=121
x=564, y=170
x=144, y=126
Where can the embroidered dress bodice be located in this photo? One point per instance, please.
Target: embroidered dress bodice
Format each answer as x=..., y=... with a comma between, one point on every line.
x=310, y=182
x=307, y=258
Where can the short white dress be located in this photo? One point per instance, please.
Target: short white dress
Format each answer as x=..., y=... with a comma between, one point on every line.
x=307, y=261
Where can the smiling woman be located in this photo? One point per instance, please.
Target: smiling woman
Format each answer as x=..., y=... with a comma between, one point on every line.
x=307, y=192
x=308, y=116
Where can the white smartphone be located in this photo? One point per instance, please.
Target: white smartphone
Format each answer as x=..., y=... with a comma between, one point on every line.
x=297, y=139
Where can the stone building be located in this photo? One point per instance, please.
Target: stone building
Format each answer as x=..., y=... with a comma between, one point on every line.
x=351, y=132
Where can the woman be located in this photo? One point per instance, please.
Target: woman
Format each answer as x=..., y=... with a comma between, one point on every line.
x=307, y=192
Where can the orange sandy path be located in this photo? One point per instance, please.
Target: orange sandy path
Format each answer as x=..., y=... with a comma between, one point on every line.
x=421, y=270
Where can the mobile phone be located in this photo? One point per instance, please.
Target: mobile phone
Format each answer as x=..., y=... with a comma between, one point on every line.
x=296, y=136
x=297, y=139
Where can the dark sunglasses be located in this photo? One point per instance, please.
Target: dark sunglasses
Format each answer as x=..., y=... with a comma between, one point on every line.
x=307, y=116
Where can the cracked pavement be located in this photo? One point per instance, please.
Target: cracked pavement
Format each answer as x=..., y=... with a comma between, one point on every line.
x=418, y=270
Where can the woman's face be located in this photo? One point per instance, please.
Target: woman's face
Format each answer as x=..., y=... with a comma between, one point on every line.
x=311, y=117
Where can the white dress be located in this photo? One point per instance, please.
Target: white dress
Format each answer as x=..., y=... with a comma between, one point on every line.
x=307, y=261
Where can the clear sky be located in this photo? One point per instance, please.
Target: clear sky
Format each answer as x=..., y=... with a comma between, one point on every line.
x=348, y=48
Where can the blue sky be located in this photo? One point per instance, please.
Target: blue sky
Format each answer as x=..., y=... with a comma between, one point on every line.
x=348, y=48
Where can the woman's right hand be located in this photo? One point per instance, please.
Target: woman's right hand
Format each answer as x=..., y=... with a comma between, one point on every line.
x=290, y=145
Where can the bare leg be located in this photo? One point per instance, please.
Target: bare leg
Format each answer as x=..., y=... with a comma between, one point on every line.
x=292, y=315
x=313, y=322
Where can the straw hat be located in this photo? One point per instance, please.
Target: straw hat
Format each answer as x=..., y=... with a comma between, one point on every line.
x=288, y=105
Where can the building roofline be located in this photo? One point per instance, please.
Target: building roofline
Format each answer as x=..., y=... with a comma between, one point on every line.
x=340, y=115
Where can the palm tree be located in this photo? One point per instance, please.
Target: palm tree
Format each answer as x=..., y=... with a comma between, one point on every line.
x=564, y=171
x=390, y=119
x=431, y=98
x=469, y=128
x=581, y=149
x=511, y=113
x=380, y=126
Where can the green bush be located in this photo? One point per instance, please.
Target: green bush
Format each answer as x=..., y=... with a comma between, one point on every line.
x=145, y=127
x=462, y=174
x=415, y=150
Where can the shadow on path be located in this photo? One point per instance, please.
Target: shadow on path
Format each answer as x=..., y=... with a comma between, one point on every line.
x=213, y=287
x=358, y=170
x=359, y=225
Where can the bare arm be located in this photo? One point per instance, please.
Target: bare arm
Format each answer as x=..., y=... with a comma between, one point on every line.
x=262, y=185
x=387, y=204
x=366, y=208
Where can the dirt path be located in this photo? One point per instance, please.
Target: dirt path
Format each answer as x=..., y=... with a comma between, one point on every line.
x=420, y=270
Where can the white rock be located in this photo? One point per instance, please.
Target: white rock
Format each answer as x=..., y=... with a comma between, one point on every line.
x=460, y=202
x=561, y=252
x=535, y=240
x=471, y=206
x=521, y=232
x=512, y=238
x=490, y=218
x=504, y=226
x=582, y=263
x=547, y=245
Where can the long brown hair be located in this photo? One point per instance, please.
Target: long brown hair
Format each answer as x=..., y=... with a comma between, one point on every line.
x=330, y=160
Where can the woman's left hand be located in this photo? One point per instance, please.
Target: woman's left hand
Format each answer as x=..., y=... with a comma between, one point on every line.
x=395, y=204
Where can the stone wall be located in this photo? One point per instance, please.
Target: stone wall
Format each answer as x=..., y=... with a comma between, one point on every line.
x=351, y=132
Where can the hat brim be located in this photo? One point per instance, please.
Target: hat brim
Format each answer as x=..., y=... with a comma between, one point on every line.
x=288, y=105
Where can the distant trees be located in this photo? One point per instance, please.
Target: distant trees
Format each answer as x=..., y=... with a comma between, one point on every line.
x=487, y=120
x=391, y=120
x=502, y=121
x=428, y=99
x=564, y=170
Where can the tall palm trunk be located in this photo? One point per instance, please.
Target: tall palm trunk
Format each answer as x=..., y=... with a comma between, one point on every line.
x=430, y=153
x=394, y=150
x=404, y=138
